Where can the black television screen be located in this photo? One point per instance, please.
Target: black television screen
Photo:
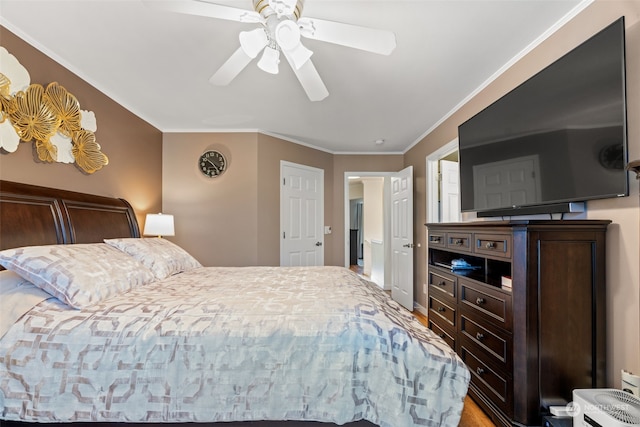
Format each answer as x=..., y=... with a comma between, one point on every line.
x=559, y=137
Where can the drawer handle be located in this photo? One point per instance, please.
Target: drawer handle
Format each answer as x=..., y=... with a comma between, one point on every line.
x=479, y=371
x=480, y=301
x=458, y=242
x=442, y=335
x=479, y=336
x=491, y=245
x=436, y=239
x=441, y=309
x=442, y=283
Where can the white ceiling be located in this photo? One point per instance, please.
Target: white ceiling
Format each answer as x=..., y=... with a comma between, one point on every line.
x=157, y=64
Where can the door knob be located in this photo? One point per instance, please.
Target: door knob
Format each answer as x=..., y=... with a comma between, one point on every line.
x=318, y=243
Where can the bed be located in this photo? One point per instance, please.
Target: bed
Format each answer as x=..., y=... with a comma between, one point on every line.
x=101, y=326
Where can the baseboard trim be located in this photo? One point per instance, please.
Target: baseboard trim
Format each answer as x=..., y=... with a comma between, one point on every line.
x=422, y=310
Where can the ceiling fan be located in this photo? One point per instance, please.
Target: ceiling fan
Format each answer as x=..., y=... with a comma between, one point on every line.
x=281, y=26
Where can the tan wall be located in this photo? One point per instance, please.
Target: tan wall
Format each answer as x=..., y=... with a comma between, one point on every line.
x=216, y=219
x=234, y=220
x=133, y=146
x=623, y=270
x=270, y=152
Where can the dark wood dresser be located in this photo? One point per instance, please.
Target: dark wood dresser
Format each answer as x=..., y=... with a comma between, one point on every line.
x=530, y=345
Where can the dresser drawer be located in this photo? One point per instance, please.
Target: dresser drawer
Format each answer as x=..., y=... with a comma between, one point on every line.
x=443, y=333
x=493, y=244
x=437, y=240
x=490, y=304
x=494, y=343
x=493, y=383
x=441, y=310
x=459, y=241
x=442, y=285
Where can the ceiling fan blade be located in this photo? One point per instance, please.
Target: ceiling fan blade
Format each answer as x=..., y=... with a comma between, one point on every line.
x=364, y=38
x=204, y=8
x=231, y=68
x=309, y=79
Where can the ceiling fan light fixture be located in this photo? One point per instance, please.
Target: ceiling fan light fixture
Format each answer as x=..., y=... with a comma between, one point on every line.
x=253, y=41
x=269, y=60
x=287, y=36
x=281, y=32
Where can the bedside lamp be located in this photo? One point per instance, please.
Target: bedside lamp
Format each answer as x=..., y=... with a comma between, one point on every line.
x=159, y=225
x=634, y=166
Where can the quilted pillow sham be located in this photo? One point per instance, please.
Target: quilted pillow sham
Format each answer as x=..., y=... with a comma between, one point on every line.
x=79, y=275
x=161, y=256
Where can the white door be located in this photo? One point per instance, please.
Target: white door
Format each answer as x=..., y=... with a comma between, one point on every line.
x=402, y=237
x=301, y=215
x=449, y=191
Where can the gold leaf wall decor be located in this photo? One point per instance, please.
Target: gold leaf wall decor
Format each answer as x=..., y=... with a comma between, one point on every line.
x=66, y=106
x=47, y=152
x=87, y=151
x=31, y=116
x=5, y=97
x=5, y=84
x=51, y=118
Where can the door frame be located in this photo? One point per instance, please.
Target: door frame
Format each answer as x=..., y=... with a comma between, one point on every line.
x=283, y=164
x=386, y=207
x=433, y=181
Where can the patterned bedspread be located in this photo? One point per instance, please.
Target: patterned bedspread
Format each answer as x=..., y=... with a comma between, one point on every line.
x=232, y=344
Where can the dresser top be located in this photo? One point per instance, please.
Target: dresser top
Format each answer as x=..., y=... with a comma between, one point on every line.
x=527, y=223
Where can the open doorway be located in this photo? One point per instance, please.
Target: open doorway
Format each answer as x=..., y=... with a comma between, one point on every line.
x=356, y=227
x=366, y=216
x=387, y=229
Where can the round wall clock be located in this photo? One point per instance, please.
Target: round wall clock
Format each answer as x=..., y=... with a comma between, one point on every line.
x=212, y=163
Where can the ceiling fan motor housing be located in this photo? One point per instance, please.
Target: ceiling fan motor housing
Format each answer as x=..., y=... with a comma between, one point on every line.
x=289, y=8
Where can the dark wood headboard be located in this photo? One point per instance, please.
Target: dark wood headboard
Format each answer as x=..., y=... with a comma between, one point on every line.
x=33, y=215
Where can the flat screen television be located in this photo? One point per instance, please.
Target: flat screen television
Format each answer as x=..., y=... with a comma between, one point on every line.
x=558, y=138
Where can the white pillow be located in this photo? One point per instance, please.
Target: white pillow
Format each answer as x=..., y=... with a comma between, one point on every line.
x=80, y=274
x=161, y=256
x=17, y=296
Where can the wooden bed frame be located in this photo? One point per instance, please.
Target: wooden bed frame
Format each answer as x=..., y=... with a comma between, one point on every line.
x=32, y=215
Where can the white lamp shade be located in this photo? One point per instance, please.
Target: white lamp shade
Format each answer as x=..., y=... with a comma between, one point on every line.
x=253, y=41
x=269, y=60
x=159, y=225
x=288, y=38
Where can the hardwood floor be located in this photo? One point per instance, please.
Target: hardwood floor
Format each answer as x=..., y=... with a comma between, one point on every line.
x=357, y=269
x=472, y=415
